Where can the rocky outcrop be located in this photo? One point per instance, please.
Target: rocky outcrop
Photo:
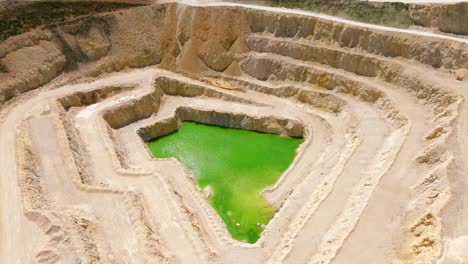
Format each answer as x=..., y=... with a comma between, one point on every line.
x=267, y=124
x=189, y=39
x=430, y=51
x=176, y=87
x=131, y=111
x=17, y=17
x=85, y=98
x=445, y=17
x=24, y=74
x=450, y=18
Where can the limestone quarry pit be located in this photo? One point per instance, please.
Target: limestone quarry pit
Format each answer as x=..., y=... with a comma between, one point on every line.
x=379, y=176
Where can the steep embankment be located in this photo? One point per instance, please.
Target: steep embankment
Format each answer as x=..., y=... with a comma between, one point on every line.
x=167, y=35
x=445, y=16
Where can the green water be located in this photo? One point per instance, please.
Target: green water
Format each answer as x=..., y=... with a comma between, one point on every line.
x=236, y=165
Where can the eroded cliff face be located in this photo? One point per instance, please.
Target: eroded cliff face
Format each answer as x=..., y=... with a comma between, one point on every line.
x=451, y=18
x=189, y=39
x=445, y=17
x=17, y=17
x=174, y=36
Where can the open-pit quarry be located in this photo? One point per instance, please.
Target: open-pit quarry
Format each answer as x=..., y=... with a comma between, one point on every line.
x=366, y=128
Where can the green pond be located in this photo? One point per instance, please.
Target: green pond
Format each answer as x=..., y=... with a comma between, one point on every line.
x=234, y=165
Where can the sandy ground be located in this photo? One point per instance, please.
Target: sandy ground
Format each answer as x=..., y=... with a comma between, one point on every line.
x=380, y=178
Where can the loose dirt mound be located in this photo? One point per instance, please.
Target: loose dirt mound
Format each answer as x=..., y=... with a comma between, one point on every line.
x=380, y=177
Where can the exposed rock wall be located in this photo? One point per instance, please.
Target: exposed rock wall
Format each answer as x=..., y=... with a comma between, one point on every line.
x=429, y=51
x=81, y=98
x=137, y=37
x=268, y=124
x=445, y=17
x=17, y=17
x=451, y=18
x=393, y=14
x=24, y=73
x=131, y=112
x=177, y=88
x=190, y=39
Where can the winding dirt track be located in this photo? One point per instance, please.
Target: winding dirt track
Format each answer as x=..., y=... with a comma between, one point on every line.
x=380, y=178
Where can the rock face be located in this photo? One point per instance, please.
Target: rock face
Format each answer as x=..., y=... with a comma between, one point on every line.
x=23, y=73
x=445, y=17
x=451, y=18
x=267, y=124
x=133, y=38
x=190, y=39
x=22, y=16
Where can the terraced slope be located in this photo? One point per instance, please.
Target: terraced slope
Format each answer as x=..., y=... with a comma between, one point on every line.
x=380, y=177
